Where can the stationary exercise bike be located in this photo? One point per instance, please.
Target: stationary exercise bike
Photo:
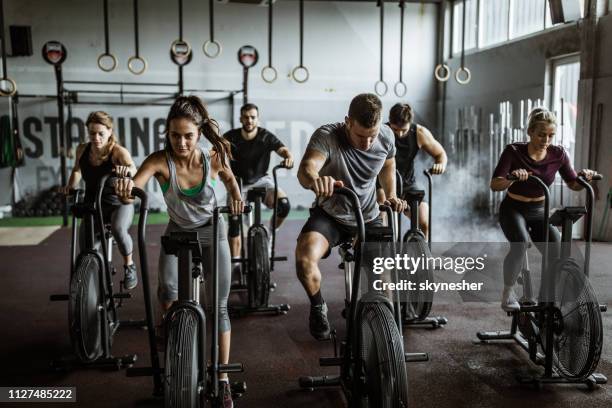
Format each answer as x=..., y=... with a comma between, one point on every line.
x=92, y=303
x=258, y=262
x=371, y=358
x=416, y=304
x=188, y=381
x=561, y=330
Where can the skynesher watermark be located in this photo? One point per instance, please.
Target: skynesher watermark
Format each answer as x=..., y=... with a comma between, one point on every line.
x=407, y=285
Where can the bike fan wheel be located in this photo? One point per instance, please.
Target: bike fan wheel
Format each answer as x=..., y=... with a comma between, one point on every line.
x=181, y=368
x=578, y=330
x=382, y=358
x=84, y=318
x=420, y=301
x=259, y=268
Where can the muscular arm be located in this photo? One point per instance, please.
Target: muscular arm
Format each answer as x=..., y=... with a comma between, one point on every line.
x=386, y=177
x=226, y=175
x=122, y=157
x=284, y=153
x=151, y=167
x=312, y=162
x=431, y=146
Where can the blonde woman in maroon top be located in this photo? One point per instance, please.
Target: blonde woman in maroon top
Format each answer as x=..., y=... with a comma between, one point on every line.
x=521, y=212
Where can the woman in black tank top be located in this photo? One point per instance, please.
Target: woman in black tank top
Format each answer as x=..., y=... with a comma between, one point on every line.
x=95, y=159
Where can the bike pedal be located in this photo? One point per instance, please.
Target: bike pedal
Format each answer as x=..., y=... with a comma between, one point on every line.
x=238, y=388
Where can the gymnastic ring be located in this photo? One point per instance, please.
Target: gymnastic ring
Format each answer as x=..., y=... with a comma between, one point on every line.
x=131, y=62
x=468, y=76
x=112, y=58
x=269, y=68
x=400, y=85
x=300, y=68
x=442, y=68
x=176, y=43
x=382, y=92
x=206, y=49
x=13, y=87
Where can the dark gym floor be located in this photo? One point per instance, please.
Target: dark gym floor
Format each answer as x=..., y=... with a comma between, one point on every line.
x=275, y=350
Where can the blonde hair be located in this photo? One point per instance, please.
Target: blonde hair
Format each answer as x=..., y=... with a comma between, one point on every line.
x=538, y=116
x=104, y=119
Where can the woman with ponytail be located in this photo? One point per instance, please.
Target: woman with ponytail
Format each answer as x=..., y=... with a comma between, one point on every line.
x=187, y=174
x=101, y=156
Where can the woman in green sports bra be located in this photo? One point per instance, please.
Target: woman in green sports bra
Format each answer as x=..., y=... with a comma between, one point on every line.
x=186, y=174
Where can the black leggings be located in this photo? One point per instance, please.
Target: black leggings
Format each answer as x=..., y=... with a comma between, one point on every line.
x=520, y=221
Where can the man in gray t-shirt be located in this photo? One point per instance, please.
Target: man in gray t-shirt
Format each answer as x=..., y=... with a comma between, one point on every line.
x=350, y=154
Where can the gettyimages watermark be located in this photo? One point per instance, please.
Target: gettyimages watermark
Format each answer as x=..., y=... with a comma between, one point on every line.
x=477, y=272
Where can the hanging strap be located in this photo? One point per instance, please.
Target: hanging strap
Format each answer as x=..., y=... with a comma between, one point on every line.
x=136, y=45
x=211, y=44
x=107, y=56
x=136, y=64
x=400, y=87
x=442, y=71
x=462, y=69
x=180, y=17
x=268, y=73
x=106, y=40
x=300, y=74
x=380, y=86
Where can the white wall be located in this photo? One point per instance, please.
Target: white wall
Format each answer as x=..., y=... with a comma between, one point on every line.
x=341, y=51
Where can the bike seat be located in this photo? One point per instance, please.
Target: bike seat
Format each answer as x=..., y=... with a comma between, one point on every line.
x=379, y=234
x=80, y=210
x=181, y=239
x=256, y=192
x=414, y=195
x=572, y=213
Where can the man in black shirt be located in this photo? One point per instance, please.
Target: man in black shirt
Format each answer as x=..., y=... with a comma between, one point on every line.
x=251, y=148
x=409, y=139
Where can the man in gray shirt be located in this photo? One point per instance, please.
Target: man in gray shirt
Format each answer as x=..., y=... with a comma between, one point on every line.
x=350, y=154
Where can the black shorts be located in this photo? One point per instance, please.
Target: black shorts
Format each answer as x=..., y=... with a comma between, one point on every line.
x=334, y=232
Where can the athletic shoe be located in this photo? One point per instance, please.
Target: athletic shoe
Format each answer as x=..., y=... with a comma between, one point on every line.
x=130, y=279
x=509, y=302
x=319, y=325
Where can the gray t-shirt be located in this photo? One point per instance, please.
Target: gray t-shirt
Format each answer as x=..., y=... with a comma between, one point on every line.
x=358, y=169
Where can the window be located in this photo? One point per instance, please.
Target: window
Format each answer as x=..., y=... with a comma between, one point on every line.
x=470, y=24
x=564, y=102
x=493, y=22
x=527, y=16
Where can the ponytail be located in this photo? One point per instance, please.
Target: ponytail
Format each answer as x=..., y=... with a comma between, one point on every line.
x=193, y=109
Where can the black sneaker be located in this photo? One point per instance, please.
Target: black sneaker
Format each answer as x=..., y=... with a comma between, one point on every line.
x=319, y=325
x=226, y=394
x=130, y=279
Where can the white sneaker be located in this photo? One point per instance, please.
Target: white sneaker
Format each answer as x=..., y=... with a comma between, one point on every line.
x=509, y=302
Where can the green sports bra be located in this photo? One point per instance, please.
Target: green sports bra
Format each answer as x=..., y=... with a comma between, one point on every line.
x=189, y=192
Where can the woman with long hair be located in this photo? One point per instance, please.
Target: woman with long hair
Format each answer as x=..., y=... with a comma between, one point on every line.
x=101, y=156
x=187, y=174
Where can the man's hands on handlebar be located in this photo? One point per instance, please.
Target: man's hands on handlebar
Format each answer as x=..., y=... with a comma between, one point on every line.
x=287, y=163
x=398, y=205
x=438, y=168
x=324, y=186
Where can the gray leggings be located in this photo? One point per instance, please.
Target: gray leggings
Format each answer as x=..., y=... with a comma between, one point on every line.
x=120, y=220
x=168, y=270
